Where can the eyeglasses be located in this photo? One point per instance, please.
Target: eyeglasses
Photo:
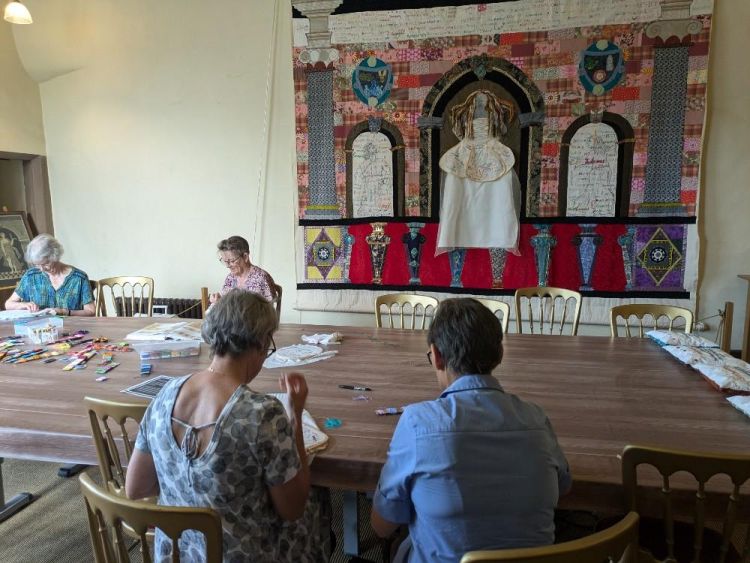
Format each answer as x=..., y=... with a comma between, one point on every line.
x=429, y=357
x=272, y=349
x=231, y=262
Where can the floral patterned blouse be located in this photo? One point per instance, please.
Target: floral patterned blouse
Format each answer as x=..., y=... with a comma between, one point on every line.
x=251, y=449
x=259, y=281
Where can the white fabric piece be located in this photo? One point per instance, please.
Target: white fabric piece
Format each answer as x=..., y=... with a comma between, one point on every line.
x=480, y=203
x=297, y=355
x=713, y=356
x=677, y=338
x=727, y=378
x=324, y=339
x=741, y=403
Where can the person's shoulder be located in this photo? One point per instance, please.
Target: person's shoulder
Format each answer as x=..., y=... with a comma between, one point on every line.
x=78, y=273
x=532, y=413
x=258, y=407
x=31, y=273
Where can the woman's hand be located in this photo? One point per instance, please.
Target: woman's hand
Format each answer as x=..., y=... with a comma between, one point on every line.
x=213, y=298
x=295, y=386
x=30, y=306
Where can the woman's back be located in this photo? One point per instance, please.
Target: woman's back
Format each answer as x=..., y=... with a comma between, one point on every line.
x=251, y=448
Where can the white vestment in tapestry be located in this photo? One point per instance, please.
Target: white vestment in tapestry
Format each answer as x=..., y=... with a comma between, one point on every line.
x=481, y=196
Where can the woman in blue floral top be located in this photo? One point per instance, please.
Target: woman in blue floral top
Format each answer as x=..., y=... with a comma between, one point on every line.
x=50, y=284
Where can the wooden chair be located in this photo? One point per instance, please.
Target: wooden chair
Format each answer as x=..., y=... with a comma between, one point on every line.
x=498, y=307
x=642, y=310
x=549, y=300
x=681, y=541
x=101, y=414
x=422, y=306
x=109, y=513
x=95, y=294
x=205, y=302
x=618, y=543
x=277, y=290
x=129, y=295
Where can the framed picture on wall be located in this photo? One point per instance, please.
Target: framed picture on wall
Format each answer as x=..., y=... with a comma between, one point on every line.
x=15, y=235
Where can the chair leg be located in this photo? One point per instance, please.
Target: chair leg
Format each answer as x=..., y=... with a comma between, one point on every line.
x=351, y=523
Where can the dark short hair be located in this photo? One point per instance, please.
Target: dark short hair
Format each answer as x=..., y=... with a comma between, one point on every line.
x=234, y=244
x=239, y=321
x=468, y=336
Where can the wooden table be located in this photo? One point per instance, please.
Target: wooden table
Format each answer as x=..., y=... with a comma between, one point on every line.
x=599, y=393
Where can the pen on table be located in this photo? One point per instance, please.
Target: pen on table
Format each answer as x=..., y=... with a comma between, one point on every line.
x=355, y=387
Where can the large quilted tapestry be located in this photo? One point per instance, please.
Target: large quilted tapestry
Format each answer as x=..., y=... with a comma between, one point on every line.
x=603, y=105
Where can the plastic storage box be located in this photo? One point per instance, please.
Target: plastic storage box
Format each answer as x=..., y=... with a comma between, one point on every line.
x=40, y=330
x=166, y=349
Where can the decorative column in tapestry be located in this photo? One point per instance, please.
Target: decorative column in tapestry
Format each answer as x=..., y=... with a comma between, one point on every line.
x=318, y=58
x=669, y=90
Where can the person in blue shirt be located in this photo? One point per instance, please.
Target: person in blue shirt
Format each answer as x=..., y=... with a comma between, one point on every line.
x=476, y=468
x=50, y=285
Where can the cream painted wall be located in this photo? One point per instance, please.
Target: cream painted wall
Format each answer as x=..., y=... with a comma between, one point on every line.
x=21, y=128
x=157, y=142
x=169, y=112
x=725, y=194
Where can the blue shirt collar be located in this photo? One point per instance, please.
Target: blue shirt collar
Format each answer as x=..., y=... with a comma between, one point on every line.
x=472, y=382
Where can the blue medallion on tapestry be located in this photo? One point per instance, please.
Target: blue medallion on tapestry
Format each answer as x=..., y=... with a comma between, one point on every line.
x=601, y=68
x=372, y=81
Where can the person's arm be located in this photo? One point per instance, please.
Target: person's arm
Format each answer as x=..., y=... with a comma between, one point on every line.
x=391, y=504
x=16, y=303
x=289, y=498
x=141, y=480
x=564, y=480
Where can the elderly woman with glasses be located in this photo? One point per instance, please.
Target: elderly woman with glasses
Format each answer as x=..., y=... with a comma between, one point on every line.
x=208, y=439
x=50, y=285
x=234, y=253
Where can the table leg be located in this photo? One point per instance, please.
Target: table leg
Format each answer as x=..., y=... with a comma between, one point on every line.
x=21, y=500
x=351, y=523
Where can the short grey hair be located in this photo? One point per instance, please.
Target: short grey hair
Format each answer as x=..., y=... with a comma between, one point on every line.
x=43, y=248
x=239, y=321
x=468, y=336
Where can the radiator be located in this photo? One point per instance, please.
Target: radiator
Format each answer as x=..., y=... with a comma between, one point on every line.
x=185, y=308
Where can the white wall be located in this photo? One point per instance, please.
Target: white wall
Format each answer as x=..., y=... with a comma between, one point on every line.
x=155, y=116
x=725, y=195
x=20, y=107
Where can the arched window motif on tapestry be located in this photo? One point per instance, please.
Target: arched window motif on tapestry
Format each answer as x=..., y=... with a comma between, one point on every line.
x=524, y=136
x=596, y=167
x=375, y=170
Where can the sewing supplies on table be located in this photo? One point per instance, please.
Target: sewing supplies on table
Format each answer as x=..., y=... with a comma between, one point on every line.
x=389, y=410
x=355, y=387
x=107, y=367
x=79, y=359
x=101, y=378
x=332, y=422
x=145, y=369
x=361, y=398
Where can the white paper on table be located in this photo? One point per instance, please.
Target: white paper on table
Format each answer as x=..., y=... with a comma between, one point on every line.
x=273, y=361
x=325, y=339
x=23, y=314
x=313, y=437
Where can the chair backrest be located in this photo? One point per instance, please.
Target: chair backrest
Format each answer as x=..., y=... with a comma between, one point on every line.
x=702, y=466
x=277, y=290
x=643, y=310
x=546, y=307
x=108, y=513
x=618, y=543
x=128, y=295
x=103, y=415
x=204, y=302
x=498, y=307
x=419, y=307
